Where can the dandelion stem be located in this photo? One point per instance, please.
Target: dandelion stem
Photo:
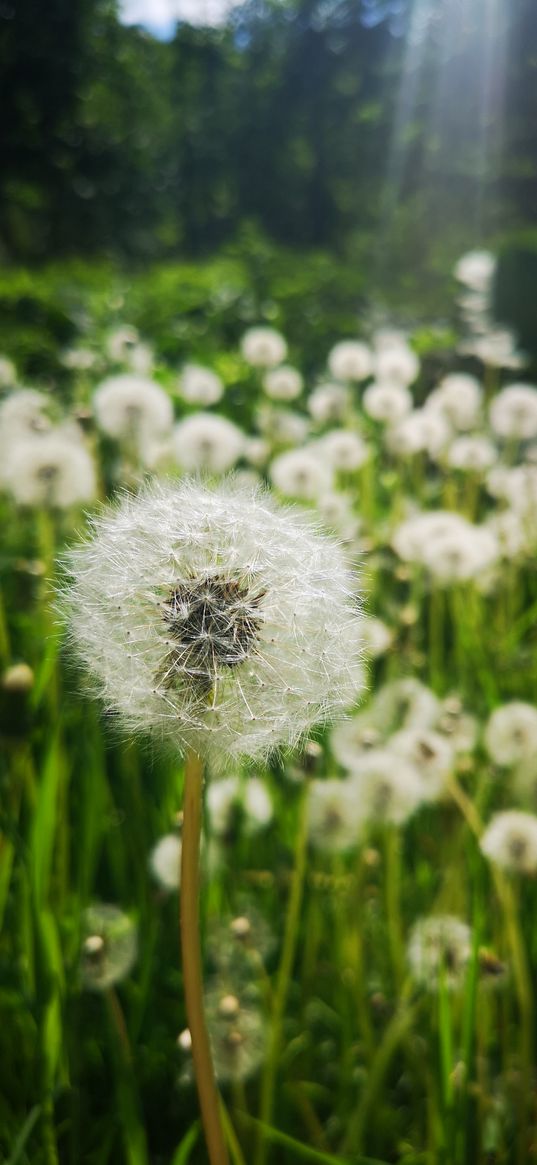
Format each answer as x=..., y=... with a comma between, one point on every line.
x=192, y=967
x=466, y=806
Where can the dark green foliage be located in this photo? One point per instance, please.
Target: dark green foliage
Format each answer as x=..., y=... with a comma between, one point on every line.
x=116, y=143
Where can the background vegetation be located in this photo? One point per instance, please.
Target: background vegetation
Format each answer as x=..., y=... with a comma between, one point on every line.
x=278, y=129
x=266, y=172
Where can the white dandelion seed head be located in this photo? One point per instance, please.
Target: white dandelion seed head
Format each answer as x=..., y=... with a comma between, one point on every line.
x=79, y=359
x=121, y=342
x=474, y=307
x=525, y=780
x=204, y=442
x=329, y=403
x=457, y=725
x=422, y=431
x=511, y=733
x=256, y=451
x=109, y=947
x=387, y=785
x=131, y=406
x=518, y=487
x=396, y=363
x=141, y=359
x=387, y=338
x=200, y=386
x=248, y=477
x=8, y=373
x=283, y=383
x=350, y=360
x=232, y=940
x=282, y=426
x=336, y=513
x=350, y=739
x=511, y=533
x=343, y=450
x=459, y=397
x=501, y=482
x=378, y=637
x=263, y=347
x=430, y=754
x=54, y=470
x=513, y=413
x=157, y=453
x=476, y=270
x=411, y=537
x=19, y=677
x=510, y=841
x=300, y=473
x=334, y=815
x=228, y=795
x=460, y=555
x=405, y=703
x=215, y=619
x=258, y=807
x=439, y=950
x=237, y=1033
x=184, y=1041
x=474, y=304
x=447, y=545
x=471, y=454
x=497, y=348
x=23, y=413
x=522, y=490
x=165, y=861
x=387, y=402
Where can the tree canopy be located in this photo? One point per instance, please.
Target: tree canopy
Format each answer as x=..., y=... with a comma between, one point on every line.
x=118, y=144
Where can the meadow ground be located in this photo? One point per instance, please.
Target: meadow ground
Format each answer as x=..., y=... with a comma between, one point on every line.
x=369, y=899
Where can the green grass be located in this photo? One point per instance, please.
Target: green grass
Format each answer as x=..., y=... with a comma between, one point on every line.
x=362, y=1065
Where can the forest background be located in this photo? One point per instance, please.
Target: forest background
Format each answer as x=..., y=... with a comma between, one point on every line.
x=329, y=157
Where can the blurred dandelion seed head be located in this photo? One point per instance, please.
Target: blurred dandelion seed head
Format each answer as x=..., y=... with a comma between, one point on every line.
x=511, y=733
x=510, y=841
x=164, y=861
x=215, y=618
x=263, y=347
x=109, y=947
x=439, y=949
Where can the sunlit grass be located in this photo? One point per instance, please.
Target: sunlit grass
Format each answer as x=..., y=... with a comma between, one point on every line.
x=362, y=1061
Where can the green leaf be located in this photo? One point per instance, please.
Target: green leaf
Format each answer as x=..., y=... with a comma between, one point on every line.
x=44, y=823
x=184, y=1149
x=25, y=1133
x=305, y=1152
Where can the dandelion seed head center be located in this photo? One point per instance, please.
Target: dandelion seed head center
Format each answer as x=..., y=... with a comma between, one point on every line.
x=241, y=928
x=133, y=412
x=334, y=817
x=451, y=958
x=234, y=1040
x=48, y=473
x=426, y=751
x=382, y=797
x=518, y=847
x=229, y=1007
x=213, y=621
x=94, y=947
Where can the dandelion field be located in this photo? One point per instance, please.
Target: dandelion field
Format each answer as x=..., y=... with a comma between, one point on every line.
x=368, y=898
